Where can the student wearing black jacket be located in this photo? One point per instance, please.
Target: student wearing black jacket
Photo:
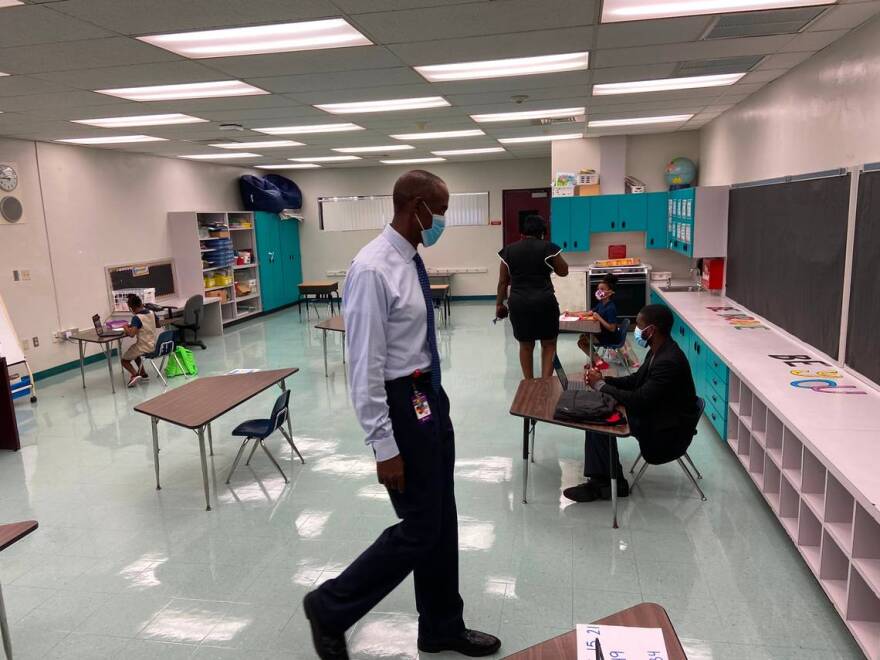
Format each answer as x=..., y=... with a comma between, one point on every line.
x=660, y=401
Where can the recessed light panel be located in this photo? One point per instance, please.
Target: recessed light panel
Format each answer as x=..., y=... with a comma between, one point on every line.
x=529, y=114
x=468, y=152
x=518, y=66
x=540, y=138
x=374, y=150
x=220, y=156
x=666, y=84
x=638, y=121
x=312, y=128
x=391, y=105
x=259, y=144
x=261, y=39
x=3, y=74
x=204, y=90
x=140, y=120
x=439, y=135
x=325, y=159
x=114, y=139
x=639, y=10
x=411, y=161
x=290, y=166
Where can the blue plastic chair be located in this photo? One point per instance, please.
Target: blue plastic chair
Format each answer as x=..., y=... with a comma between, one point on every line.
x=164, y=347
x=260, y=429
x=622, y=330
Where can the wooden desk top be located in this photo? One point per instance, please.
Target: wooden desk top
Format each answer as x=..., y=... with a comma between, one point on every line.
x=91, y=336
x=334, y=323
x=13, y=532
x=439, y=288
x=537, y=399
x=580, y=327
x=205, y=399
x=318, y=286
x=645, y=615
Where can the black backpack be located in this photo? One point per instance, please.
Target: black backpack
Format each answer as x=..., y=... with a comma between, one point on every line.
x=585, y=407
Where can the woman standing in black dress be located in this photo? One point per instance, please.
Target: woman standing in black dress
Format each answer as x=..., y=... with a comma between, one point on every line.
x=534, y=313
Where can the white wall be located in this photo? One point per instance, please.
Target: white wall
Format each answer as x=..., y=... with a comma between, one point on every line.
x=821, y=115
x=648, y=155
x=466, y=247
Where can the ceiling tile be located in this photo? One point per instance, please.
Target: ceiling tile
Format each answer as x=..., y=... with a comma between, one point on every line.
x=195, y=106
x=80, y=55
x=377, y=93
x=812, y=41
x=842, y=17
x=689, y=51
x=305, y=62
x=673, y=96
x=20, y=85
x=630, y=73
x=58, y=100
x=643, y=33
x=337, y=80
x=24, y=26
x=109, y=77
x=370, y=6
x=278, y=115
x=782, y=61
x=575, y=80
x=762, y=76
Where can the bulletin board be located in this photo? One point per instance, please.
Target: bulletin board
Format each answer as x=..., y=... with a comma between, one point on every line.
x=864, y=312
x=786, y=248
x=157, y=275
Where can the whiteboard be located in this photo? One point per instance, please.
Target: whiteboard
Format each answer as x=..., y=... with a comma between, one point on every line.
x=10, y=347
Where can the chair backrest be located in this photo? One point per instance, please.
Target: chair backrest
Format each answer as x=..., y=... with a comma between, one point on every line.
x=192, y=310
x=701, y=406
x=560, y=372
x=622, y=330
x=164, y=344
x=279, y=410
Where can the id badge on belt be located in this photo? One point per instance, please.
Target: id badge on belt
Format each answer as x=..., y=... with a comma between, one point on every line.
x=421, y=406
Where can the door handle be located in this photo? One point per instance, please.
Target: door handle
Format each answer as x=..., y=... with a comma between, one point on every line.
x=271, y=257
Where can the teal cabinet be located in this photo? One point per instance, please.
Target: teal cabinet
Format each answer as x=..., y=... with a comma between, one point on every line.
x=632, y=212
x=681, y=221
x=560, y=222
x=279, y=260
x=604, y=212
x=656, y=203
x=579, y=231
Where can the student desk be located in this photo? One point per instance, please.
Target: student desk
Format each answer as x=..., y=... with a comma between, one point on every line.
x=106, y=344
x=195, y=405
x=440, y=296
x=583, y=327
x=644, y=615
x=9, y=534
x=333, y=324
x=535, y=401
x=314, y=290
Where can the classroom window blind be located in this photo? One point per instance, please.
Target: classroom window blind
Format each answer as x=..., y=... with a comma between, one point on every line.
x=374, y=211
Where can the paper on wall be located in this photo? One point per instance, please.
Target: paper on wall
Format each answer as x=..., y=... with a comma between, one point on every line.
x=621, y=643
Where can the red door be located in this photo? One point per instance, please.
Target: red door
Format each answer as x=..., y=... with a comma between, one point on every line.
x=518, y=204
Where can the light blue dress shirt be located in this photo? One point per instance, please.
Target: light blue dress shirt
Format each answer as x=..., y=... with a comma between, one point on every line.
x=386, y=331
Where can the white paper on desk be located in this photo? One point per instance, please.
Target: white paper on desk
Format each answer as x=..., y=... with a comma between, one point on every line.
x=569, y=318
x=235, y=372
x=621, y=643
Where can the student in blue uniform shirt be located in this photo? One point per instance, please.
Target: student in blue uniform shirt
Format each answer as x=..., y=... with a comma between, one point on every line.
x=604, y=311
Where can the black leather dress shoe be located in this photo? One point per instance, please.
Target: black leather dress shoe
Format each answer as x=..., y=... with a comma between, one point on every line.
x=328, y=645
x=472, y=643
x=592, y=491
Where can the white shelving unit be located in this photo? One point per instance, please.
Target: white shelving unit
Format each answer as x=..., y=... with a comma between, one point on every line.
x=189, y=251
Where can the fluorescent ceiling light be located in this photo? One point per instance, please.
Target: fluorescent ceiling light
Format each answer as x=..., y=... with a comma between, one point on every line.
x=290, y=166
x=411, y=161
x=325, y=159
x=236, y=154
x=384, y=106
x=314, y=128
x=439, y=135
x=468, y=152
x=638, y=10
x=369, y=150
x=204, y=90
x=113, y=139
x=540, y=138
x=3, y=74
x=636, y=121
x=10, y=3
x=261, y=39
x=140, y=120
x=666, y=84
x=259, y=144
x=518, y=66
x=529, y=114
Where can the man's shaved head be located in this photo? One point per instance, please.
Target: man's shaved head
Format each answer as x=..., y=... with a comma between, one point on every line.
x=417, y=183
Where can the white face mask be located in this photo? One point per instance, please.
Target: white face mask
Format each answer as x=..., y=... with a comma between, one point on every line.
x=600, y=294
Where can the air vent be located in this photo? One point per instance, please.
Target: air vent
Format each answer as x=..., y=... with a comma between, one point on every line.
x=547, y=121
x=717, y=66
x=763, y=23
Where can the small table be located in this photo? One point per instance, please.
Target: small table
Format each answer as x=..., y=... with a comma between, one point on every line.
x=644, y=615
x=9, y=534
x=582, y=327
x=440, y=295
x=535, y=401
x=198, y=403
x=105, y=342
x=333, y=324
x=319, y=290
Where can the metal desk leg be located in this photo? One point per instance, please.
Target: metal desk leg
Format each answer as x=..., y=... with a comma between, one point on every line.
x=210, y=440
x=343, y=348
x=201, y=432
x=325, y=354
x=82, y=364
x=614, y=461
x=154, y=422
x=108, y=351
x=4, y=629
x=526, y=424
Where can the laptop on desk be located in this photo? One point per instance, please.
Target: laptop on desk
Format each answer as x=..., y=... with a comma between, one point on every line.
x=102, y=330
x=563, y=377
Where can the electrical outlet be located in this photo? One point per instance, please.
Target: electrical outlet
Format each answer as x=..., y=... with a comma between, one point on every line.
x=25, y=345
x=16, y=276
x=36, y=342
x=26, y=275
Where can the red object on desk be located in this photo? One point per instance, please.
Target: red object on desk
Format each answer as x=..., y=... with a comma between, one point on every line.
x=713, y=274
x=617, y=251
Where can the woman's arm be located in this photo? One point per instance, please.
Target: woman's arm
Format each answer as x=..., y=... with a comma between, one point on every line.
x=501, y=293
x=559, y=265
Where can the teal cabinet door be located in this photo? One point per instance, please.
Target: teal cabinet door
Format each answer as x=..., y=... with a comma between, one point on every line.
x=269, y=259
x=632, y=211
x=291, y=266
x=579, y=227
x=560, y=222
x=603, y=212
x=655, y=237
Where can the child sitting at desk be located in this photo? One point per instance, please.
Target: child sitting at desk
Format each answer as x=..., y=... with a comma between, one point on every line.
x=605, y=312
x=143, y=329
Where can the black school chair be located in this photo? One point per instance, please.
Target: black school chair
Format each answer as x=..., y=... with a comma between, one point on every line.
x=260, y=429
x=701, y=406
x=164, y=347
x=190, y=320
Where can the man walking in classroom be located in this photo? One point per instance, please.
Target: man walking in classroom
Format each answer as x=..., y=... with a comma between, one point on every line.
x=395, y=379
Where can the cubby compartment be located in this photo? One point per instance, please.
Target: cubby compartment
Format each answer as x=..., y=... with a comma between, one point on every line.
x=833, y=572
x=732, y=428
x=756, y=462
x=866, y=548
x=789, y=503
x=745, y=406
x=813, y=484
x=809, y=536
x=743, y=443
x=733, y=390
x=759, y=420
x=770, y=487
x=839, y=513
x=792, y=453
x=773, y=438
x=863, y=614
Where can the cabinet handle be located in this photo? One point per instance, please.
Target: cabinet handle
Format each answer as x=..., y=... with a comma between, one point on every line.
x=651, y=242
x=612, y=224
x=575, y=244
x=623, y=224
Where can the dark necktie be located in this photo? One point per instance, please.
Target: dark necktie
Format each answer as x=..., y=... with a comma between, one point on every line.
x=432, y=336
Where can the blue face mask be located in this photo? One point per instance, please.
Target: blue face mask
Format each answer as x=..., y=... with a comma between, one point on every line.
x=639, y=337
x=438, y=224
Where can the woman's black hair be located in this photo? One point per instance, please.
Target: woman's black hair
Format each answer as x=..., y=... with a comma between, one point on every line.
x=134, y=301
x=534, y=225
x=610, y=281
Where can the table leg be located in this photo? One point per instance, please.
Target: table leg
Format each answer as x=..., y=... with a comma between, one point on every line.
x=614, y=460
x=210, y=440
x=343, y=348
x=82, y=364
x=4, y=629
x=119, y=354
x=201, y=432
x=108, y=351
x=324, y=339
x=283, y=385
x=154, y=422
x=526, y=423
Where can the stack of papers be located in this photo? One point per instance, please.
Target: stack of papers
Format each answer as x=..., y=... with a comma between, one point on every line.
x=236, y=372
x=620, y=643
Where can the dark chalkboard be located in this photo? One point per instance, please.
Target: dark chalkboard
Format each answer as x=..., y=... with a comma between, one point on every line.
x=786, y=246
x=159, y=276
x=862, y=345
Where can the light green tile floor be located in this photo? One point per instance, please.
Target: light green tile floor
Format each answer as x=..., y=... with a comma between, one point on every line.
x=119, y=570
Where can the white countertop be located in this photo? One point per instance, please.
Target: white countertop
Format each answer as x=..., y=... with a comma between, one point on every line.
x=843, y=430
